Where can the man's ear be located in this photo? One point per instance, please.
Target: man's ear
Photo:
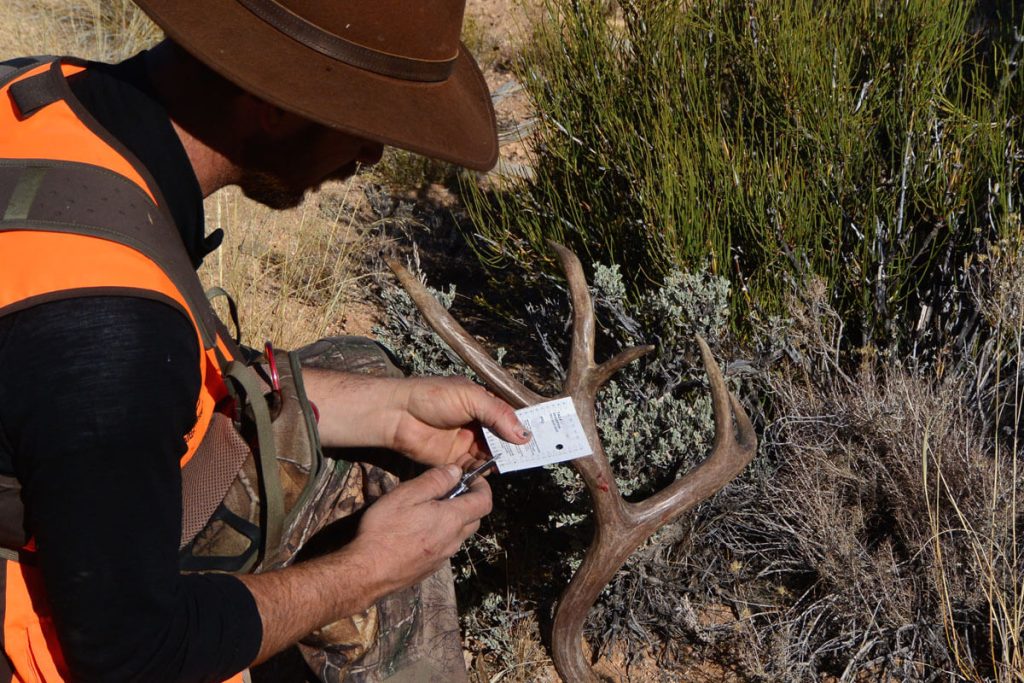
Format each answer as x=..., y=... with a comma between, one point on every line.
x=267, y=118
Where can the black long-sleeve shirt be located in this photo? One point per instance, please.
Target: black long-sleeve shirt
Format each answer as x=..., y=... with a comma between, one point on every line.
x=96, y=394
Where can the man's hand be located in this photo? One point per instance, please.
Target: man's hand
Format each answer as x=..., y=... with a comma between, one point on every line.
x=405, y=536
x=433, y=420
x=441, y=417
x=410, y=533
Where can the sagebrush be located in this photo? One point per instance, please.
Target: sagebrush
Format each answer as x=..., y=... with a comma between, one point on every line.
x=655, y=420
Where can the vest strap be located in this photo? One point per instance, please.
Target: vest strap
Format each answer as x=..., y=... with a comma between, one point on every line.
x=18, y=556
x=12, y=68
x=32, y=94
x=56, y=196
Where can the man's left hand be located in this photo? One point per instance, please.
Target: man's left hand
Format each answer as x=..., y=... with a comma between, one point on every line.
x=433, y=420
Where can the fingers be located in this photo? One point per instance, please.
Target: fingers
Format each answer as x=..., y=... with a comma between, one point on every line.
x=476, y=456
x=468, y=531
x=467, y=510
x=414, y=532
x=475, y=503
x=430, y=485
x=437, y=482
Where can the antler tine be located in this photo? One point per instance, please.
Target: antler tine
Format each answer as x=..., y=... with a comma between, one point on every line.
x=720, y=403
x=462, y=342
x=581, y=357
x=731, y=451
x=608, y=368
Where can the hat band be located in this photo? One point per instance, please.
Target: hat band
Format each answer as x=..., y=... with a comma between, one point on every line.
x=312, y=36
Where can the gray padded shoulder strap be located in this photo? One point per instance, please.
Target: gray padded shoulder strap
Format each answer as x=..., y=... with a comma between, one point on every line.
x=69, y=197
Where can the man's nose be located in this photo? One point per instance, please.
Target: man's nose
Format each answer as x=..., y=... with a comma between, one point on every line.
x=370, y=153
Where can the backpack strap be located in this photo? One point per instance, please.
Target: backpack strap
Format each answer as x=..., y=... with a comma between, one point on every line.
x=272, y=496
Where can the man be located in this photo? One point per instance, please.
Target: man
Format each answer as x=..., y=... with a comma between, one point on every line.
x=101, y=398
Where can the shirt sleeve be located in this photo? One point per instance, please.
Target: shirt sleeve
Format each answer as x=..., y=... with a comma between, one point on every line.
x=96, y=394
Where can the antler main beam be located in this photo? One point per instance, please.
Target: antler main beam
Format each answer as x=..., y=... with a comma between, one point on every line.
x=621, y=526
x=463, y=343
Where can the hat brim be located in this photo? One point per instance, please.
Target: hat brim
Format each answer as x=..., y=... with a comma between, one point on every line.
x=451, y=120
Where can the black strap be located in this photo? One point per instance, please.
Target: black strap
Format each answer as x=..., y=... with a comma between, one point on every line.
x=32, y=94
x=12, y=68
x=241, y=564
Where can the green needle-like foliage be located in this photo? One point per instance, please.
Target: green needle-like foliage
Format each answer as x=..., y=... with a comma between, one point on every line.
x=873, y=144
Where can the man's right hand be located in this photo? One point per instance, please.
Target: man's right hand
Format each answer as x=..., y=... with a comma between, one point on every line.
x=409, y=533
x=405, y=536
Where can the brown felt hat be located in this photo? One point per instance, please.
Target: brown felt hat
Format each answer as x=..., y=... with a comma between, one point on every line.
x=392, y=71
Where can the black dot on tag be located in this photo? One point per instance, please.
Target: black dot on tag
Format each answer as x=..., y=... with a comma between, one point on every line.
x=559, y=447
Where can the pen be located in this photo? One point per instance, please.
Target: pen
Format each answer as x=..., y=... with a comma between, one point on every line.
x=467, y=479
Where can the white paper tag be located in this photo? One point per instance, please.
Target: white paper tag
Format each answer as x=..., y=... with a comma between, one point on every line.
x=557, y=436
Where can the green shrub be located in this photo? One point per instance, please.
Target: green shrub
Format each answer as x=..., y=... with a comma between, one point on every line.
x=872, y=145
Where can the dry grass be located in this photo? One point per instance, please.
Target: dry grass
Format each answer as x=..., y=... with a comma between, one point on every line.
x=995, y=549
x=877, y=537
x=107, y=30
x=524, y=659
x=292, y=273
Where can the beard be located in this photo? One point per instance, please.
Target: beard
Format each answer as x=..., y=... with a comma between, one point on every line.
x=275, y=173
x=275, y=191
x=270, y=190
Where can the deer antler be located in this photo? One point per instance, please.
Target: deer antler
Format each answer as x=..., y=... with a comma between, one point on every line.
x=621, y=526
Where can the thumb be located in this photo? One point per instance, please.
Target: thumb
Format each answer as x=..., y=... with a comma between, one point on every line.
x=431, y=485
x=500, y=418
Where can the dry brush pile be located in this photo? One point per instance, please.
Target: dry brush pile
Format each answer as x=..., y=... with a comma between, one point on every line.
x=882, y=539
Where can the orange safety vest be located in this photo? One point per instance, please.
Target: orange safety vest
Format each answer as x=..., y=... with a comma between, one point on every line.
x=117, y=240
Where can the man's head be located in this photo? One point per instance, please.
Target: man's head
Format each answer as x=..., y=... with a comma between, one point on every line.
x=361, y=73
x=235, y=138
